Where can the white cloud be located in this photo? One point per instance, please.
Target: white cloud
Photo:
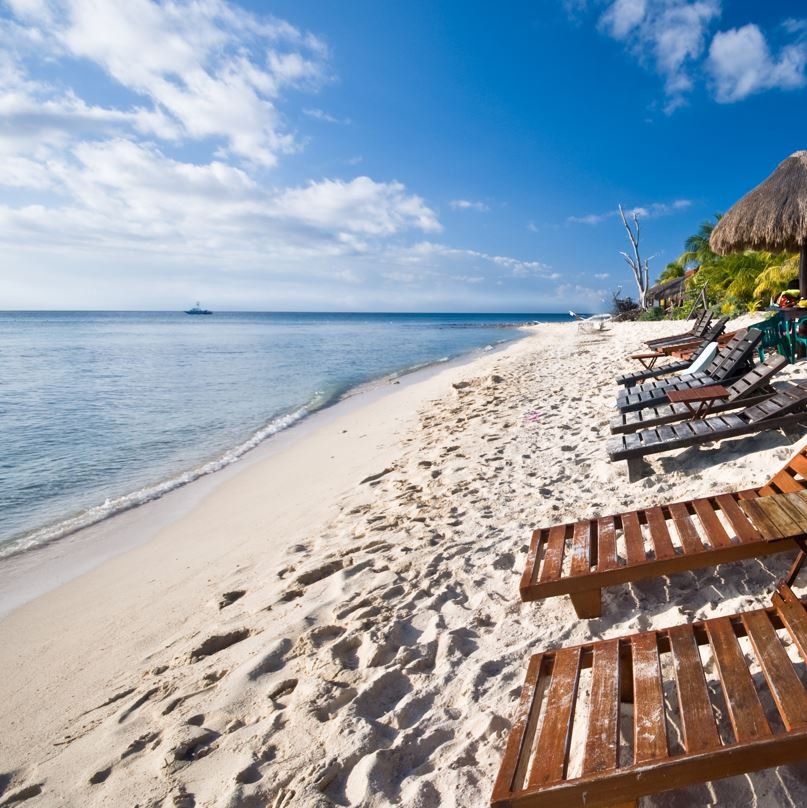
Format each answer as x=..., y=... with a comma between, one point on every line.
x=359, y=206
x=325, y=117
x=601, y=276
x=740, y=63
x=652, y=210
x=623, y=16
x=670, y=35
x=517, y=267
x=466, y=204
x=187, y=62
x=123, y=194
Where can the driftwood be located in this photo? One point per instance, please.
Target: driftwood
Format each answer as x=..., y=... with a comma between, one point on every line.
x=639, y=267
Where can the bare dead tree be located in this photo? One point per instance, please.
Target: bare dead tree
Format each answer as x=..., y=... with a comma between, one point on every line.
x=640, y=268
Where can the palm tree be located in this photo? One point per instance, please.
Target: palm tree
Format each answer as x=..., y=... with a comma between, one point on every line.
x=697, y=249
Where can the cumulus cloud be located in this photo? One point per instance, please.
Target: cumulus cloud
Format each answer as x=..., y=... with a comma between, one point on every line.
x=667, y=34
x=741, y=63
x=129, y=194
x=135, y=140
x=671, y=38
x=185, y=62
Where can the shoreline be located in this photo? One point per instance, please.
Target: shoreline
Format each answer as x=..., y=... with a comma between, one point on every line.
x=339, y=624
x=33, y=571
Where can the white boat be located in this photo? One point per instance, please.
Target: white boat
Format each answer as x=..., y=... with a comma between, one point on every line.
x=197, y=309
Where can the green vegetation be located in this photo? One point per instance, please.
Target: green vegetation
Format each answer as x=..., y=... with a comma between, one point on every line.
x=733, y=283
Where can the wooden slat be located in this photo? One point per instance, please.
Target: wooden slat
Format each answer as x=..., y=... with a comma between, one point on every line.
x=793, y=615
x=606, y=544
x=553, y=554
x=786, y=483
x=581, y=548
x=701, y=427
x=634, y=543
x=697, y=718
x=795, y=504
x=552, y=749
x=783, y=510
x=530, y=574
x=799, y=463
x=712, y=525
x=785, y=686
x=650, y=721
x=739, y=521
x=602, y=736
x=745, y=709
x=517, y=752
x=666, y=433
x=662, y=543
x=687, y=531
x=762, y=516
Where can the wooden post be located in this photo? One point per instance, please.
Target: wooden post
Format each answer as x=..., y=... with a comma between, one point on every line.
x=803, y=271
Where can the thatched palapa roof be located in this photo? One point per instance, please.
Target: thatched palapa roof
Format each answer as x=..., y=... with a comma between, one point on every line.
x=771, y=217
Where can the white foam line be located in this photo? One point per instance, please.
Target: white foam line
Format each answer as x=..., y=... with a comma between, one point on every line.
x=148, y=493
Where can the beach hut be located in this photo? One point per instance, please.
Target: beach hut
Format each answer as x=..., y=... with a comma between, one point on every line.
x=773, y=216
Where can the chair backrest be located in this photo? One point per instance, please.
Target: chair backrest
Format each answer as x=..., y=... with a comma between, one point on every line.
x=712, y=333
x=788, y=399
x=702, y=323
x=706, y=353
x=735, y=354
x=757, y=377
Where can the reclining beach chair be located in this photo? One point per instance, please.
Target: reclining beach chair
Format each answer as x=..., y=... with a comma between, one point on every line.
x=698, y=402
x=787, y=407
x=580, y=558
x=592, y=324
x=699, y=328
x=732, y=361
x=693, y=716
x=651, y=370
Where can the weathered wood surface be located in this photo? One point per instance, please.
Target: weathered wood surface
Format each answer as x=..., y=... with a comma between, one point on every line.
x=716, y=711
x=579, y=558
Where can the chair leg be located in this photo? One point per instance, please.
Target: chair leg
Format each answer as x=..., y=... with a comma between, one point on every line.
x=636, y=469
x=587, y=604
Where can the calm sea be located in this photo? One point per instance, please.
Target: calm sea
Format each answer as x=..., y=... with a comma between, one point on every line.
x=103, y=411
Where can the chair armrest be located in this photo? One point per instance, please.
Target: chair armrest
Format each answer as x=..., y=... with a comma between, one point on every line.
x=709, y=393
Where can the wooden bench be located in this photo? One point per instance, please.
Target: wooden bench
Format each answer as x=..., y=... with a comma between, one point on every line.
x=648, y=359
x=750, y=388
x=731, y=362
x=786, y=408
x=607, y=722
x=580, y=558
x=699, y=328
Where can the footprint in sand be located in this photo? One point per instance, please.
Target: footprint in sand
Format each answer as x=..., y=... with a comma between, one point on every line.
x=218, y=642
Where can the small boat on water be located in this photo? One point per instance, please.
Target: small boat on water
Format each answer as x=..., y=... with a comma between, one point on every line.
x=197, y=309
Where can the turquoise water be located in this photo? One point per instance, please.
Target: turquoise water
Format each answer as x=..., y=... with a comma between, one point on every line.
x=103, y=411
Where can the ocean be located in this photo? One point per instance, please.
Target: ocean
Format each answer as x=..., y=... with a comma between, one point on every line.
x=102, y=411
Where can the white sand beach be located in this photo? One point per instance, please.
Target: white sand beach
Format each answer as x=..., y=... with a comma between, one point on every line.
x=339, y=622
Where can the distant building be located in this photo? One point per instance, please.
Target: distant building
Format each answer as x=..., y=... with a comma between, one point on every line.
x=671, y=293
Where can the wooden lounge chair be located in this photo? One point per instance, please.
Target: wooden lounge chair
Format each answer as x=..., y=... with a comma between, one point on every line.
x=732, y=361
x=651, y=370
x=699, y=328
x=787, y=407
x=689, y=716
x=579, y=558
x=750, y=388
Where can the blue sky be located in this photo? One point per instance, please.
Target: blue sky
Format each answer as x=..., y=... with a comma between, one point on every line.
x=452, y=156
